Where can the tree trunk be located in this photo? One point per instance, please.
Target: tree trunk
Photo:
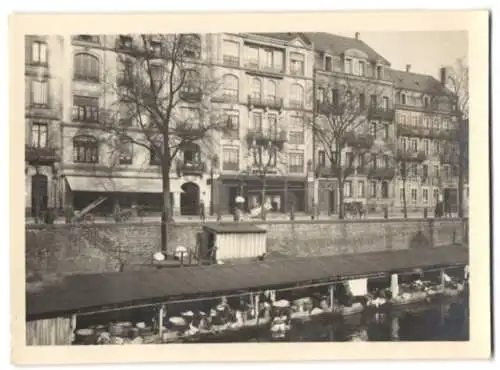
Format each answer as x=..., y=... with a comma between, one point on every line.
x=166, y=215
x=341, y=195
x=263, y=196
x=405, y=210
x=461, y=170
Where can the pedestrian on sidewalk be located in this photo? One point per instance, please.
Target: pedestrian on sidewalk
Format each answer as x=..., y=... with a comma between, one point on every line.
x=202, y=210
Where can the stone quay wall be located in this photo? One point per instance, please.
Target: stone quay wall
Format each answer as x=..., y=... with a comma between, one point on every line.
x=73, y=249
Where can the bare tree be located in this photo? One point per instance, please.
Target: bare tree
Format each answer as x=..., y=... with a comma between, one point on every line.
x=348, y=116
x=457, y=81
x=408, y=159
x=266, y=152
x=163, y=90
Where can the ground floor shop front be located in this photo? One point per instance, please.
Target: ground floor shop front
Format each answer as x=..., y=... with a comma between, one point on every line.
x=283, y=194
x=142, y=196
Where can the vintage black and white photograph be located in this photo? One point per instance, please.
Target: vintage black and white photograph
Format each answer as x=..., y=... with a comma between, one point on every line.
x=247, y=187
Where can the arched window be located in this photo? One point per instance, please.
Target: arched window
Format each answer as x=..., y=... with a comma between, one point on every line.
x=271, y=90
x=85, y=149
x=297, y=96
x=256, y=89
x=403, y=99
x=231, y=87
x=86, y=67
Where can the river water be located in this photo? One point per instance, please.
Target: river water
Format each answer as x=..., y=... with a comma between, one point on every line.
x=447, y=320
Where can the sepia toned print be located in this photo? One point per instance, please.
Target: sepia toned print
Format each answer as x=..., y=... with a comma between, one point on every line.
x=258, y=187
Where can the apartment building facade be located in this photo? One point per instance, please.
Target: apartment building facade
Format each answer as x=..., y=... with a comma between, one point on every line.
x=267, y=84
x=271, y=84
x=256, y=73
x=43, y=114
x=427, y=133
x=348, y=63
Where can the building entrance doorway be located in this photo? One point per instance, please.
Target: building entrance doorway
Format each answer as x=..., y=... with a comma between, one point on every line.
x=190, y=199
x=39, y=194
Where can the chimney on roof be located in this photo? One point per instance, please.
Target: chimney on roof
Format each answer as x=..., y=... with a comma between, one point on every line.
x=356, y=35
x=408, y=67
x=443, y=75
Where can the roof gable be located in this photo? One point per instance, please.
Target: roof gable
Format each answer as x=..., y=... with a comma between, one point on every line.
x=338, y=45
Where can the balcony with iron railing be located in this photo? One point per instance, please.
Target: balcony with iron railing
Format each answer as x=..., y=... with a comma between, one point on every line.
x=262, y=68
x=327, y=171
x=266, y=137
x=381, y=173
x=231, y=60
x=40, y=155
x=226, y=97
x=269, y=102
x=410, y=156
x=427, y=132
x=381, y=113
x=190, y=168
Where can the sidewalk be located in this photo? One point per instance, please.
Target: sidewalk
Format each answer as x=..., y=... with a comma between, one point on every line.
x=280, y=217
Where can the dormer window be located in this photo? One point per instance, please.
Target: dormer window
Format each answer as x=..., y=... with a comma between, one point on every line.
x=348, y=66
x=361, y=68
x=328, y=63
x=125, y=42
x=403, y=99
x=426, y=101
x=379, y=72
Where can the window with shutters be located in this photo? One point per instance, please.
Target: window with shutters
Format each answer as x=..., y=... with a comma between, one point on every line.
x=231, y=53
x=296, y=162
x=296, y=96
x=86, y=67
x=233, y=125
x=348, y=189
x=372, y=186
x=297, y=64
x=39, y=93
x=85, y=109
x=39, y=132
x=361, y=189
x=231, y=88
x=39, y=53
x=230, y=159
x=85, y=149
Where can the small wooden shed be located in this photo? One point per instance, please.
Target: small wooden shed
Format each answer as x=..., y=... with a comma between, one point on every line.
x=233, y=240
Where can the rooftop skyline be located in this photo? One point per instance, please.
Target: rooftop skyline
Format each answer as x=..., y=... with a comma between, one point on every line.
x=425, y=51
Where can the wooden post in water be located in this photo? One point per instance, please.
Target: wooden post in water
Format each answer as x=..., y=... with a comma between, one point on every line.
x=394, y=285
x=330, y=291
x=257, y=308
x=442, y=275
x=73, y=329
x=160, y=321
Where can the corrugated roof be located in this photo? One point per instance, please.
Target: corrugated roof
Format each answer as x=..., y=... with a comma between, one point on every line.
x=337, y=45
x=233, y=228
x=79, y=293
x=418, y=82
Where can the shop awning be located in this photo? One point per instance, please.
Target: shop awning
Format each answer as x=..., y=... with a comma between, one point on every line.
x=114, y=184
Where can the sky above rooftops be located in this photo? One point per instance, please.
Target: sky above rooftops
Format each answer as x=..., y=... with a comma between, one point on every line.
x=426, y=51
